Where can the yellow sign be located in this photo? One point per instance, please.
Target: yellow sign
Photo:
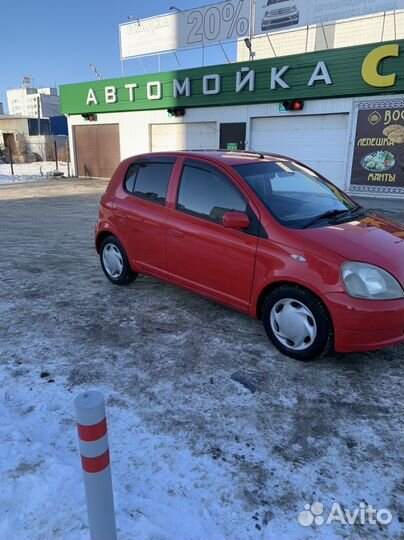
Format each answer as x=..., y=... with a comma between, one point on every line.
x=370, y=66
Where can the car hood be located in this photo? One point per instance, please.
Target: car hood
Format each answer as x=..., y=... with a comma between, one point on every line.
x=371, y=239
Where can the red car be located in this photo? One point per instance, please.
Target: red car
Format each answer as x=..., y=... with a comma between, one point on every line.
x=263, y=234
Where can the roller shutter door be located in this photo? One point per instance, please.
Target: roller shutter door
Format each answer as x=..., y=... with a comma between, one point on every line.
x=97, y=150
x=317, y=140
x=192, y=136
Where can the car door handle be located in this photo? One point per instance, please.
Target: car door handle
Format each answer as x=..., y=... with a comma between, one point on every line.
x=176, y=234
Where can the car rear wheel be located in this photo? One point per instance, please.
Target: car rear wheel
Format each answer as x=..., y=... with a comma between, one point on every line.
x=114, y=262
x=297, y=323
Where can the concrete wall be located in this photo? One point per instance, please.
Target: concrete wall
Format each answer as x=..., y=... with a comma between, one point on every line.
x=44, y=146
x=13, y=125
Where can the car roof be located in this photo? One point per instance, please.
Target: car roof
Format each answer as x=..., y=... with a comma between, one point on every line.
x=227, y=157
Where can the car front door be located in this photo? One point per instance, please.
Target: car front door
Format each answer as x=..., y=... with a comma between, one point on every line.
x=202, y=254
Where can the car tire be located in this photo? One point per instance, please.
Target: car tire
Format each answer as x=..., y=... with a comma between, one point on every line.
x=297, y=323
x=115, y=263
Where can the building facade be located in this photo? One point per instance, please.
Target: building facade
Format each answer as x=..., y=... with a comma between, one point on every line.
x=383, y=27
x=350, y=98
x=25, y=140
x=27, y=101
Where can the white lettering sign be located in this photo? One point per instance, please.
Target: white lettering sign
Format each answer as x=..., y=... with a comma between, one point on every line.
x=321, y=73
x=276, y=77
x=110, y=94
x=131, y=88
x=181, y=89
x=154, y=90
x=91, y=97
x=242, y=80
x=209, y=89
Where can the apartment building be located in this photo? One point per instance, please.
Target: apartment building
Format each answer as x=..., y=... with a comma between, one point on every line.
x=33, y=102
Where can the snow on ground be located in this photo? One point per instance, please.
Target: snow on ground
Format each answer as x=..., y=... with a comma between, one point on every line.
x=161, y=490
x=29, y=172
x=213, y=434
x=164, y=489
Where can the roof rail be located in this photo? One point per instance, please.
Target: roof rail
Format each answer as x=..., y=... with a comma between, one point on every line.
x=227, y=150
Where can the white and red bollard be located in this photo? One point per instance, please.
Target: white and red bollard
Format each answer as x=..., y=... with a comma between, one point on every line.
x=94, y=450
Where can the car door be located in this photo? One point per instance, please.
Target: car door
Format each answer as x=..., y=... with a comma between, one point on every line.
x=142, y=213
x=201, y=253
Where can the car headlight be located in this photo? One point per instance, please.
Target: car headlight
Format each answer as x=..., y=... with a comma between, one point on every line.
x=363, y=280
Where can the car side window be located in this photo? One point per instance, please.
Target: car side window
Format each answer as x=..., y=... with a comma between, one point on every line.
x=208, y=194
x=131, y=177
x=149, y=180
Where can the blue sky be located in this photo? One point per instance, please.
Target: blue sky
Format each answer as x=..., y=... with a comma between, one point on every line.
x=54, y=42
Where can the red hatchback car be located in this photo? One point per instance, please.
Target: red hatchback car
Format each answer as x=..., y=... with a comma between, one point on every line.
x=263, y=234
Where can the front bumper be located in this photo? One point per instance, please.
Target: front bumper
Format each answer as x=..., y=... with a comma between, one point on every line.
x=365, y=325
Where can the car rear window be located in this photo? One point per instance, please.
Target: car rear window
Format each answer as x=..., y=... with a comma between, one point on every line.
x=149, y=180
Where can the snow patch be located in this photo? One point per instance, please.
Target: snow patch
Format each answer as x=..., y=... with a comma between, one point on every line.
x=29, y=172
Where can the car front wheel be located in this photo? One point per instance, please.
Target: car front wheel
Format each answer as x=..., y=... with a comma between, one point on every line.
x=297, y=323
x=114, y=262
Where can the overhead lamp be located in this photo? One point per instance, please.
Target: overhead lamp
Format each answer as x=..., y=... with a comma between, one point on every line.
x=248, y=44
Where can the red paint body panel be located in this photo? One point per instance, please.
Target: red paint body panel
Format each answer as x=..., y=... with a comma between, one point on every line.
x=372, y=239
x=143, y=225
x=365, y=324
x=235, y=268
x=206, y=256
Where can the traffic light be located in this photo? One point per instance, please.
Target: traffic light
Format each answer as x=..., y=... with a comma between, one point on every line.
x=91, y=117
x=293, y=105
x=176, y=111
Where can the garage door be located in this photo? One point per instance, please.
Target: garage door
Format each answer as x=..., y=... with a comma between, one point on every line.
x=192, y=136
x=97, y=150
x=319, y=141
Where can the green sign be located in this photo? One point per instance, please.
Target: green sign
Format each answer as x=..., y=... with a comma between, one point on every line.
x=232, y=146
x=351, y=71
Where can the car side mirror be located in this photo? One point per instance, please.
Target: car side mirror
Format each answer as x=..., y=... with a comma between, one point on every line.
x=236, y=220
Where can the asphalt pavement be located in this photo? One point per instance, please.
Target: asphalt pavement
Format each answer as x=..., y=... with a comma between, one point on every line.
x=282, y=433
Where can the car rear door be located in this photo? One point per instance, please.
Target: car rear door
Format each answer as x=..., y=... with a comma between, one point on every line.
x=202, y=254
x=140, y=208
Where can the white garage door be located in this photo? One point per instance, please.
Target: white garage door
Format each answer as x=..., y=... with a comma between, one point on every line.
x=318, y=141
x=190, y=136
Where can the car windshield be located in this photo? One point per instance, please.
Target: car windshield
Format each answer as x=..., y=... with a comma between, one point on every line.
x=296, y=196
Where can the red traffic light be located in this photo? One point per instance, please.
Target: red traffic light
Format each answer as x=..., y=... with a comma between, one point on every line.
x=293, y=105
x=90, y=117
x=176, y=111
